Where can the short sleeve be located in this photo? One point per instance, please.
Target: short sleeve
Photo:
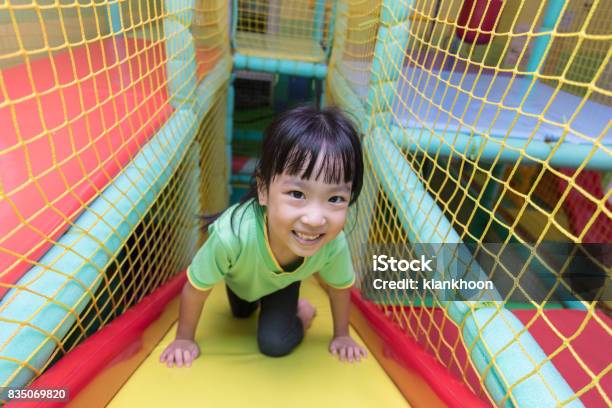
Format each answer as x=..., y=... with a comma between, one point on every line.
x=338, y=272
x=211, y=263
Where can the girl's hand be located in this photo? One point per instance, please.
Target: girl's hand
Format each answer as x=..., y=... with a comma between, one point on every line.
x=346, y=349
x=180, y=352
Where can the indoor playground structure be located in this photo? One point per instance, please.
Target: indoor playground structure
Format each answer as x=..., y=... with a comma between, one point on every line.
x=486, y=129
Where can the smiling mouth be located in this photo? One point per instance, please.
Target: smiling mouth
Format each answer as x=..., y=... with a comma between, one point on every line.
x=307, y=238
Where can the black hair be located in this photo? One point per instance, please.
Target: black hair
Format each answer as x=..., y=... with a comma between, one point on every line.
x=293, y=143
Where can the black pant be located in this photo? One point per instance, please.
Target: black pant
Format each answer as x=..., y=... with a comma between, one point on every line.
x=279, y=329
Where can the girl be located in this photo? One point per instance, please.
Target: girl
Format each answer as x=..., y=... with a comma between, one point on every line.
x=287, y=227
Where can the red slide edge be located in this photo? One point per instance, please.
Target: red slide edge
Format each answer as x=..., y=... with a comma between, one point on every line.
x=451, y=390
x=81, y=365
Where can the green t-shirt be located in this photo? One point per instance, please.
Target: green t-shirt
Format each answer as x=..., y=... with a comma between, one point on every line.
x=246, y=263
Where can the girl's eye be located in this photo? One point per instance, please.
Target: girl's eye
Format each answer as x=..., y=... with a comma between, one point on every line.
x=296, y=194
x=337, y=199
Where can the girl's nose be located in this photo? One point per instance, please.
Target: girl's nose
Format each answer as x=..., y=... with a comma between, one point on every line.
x=314, y=218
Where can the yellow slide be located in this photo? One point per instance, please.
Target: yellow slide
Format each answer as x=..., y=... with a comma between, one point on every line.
x=231, y=372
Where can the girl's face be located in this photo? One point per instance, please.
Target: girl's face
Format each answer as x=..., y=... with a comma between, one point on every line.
x=303, y=215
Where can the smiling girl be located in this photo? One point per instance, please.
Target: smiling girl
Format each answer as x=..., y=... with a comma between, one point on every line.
x=288, y=227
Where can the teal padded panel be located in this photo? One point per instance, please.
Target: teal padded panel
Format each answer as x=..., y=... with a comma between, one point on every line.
x=394, y=11
x=381, y=98
x=389, y=52
x=240, y=61
x=180, y=10
x=181, y=65
x=350, y=101
x=203, y=97
x=179, y=41
x=419, y=214
x=515, y=357
x=71, y=268
x=276, y=66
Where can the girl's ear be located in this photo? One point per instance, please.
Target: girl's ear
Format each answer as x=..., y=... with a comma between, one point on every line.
x=262, y=194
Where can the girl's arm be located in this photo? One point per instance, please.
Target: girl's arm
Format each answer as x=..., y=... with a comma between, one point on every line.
x=192, y=302
x=183, y=350
x=342, y=344
x=340, y=300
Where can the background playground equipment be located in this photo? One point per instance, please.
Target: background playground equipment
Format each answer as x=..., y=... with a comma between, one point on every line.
x=259, y=97
x=120, y=121
x=113, y=117
x=287, y=37
x=273, y=41
x=487, y=141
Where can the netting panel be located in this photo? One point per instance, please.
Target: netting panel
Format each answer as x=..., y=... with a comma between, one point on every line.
x=105, y=163
x=485, y=131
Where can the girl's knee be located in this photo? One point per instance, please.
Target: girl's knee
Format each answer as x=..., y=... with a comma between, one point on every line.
x=243, y=312
x=274, y=345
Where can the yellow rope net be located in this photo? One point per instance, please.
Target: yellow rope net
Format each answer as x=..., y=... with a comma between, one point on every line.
x=488, y=126
x=490, y=132
x=113, y=142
